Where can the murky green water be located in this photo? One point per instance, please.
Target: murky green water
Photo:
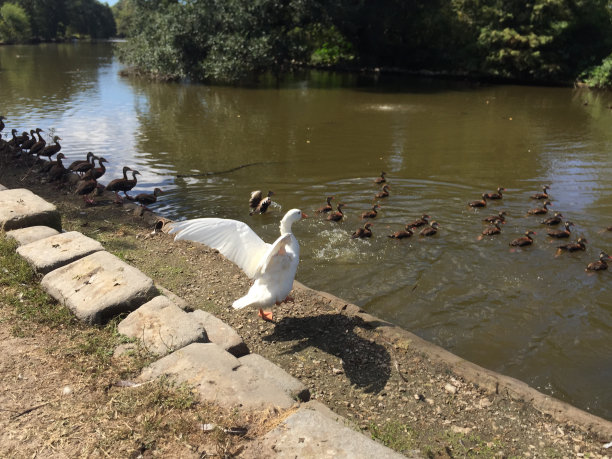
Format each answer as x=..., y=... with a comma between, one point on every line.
x=526, y=313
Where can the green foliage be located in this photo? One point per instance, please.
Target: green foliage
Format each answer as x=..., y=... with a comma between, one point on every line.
x=233, y=40
x=55, y=20
x=124, y=11
x=541, y=40
x=599, y=76
x=14, y=24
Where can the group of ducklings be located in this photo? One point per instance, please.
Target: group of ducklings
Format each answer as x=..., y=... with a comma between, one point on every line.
x=430, y=227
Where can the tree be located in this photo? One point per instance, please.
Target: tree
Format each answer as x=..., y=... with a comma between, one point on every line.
x=14, y=24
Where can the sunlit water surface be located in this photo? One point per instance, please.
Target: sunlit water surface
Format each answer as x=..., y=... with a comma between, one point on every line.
x=525, y=313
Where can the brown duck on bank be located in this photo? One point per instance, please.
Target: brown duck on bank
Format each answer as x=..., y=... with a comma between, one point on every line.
x=524, y=240
x=28, y=144
x=381, y=179
x=430, y=230
x=58, y=170
x=561, y=233
x=480, y=203
x=407, y=232
x=540, y=210
x=87, y=164
x=497, y=195
x=122, y=184
x=86, y=188
x=326, y=208
x=371, y=213
x=542, y=195
x=259, y=205
x=600, y=264
x=491, y=230
x=38, y=147
x=146, y=199
x=96, y=172
x=383, y=193
x=580, y=244
x=501, y=217
x=424, y=220
x=50, y=150
x=554, y=220
x=338, y=215
x=365, y=231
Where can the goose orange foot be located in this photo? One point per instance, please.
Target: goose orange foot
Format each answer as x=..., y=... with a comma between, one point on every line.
x=265, y=315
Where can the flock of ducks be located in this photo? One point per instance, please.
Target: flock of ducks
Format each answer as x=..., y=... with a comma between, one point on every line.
x=31, y=148
x=428, y=228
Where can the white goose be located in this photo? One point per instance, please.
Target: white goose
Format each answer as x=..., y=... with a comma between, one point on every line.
x=272, y=266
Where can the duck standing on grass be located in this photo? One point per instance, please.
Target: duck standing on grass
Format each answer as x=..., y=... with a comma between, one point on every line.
x=271, y=266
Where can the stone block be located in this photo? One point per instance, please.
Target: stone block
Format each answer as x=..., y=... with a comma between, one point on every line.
x=50, y=253
x=24, y=236
x=219, y=377
x=269, y=370
x=20, y=208
x=221, y=333
x=162, y=326
x=98, y=287
x=314, y=431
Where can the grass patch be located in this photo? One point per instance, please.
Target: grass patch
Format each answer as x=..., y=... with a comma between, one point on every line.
x=394, y=434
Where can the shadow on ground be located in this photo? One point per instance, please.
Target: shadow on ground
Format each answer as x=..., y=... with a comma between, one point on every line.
x=366, y=364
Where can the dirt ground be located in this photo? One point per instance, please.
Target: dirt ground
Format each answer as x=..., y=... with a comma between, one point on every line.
x=384, y=384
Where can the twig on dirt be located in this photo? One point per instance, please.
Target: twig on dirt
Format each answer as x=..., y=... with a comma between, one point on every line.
x=29, y=410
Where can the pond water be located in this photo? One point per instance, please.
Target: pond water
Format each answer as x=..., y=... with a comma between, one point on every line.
x=526, y=313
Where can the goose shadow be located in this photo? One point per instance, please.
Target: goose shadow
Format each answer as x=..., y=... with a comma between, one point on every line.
x=366, y=364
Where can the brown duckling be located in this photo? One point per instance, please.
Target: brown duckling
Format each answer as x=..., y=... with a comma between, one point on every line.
x=561, y=233
x=481, y=203
x=491, y=230
x=145, y=199
x=542, y=195
x=58, y=170
x=497, y=195
x=365, y=231
x=381, y=179
x=261, y=204
x=86, y=188
x=524, y=240
x=554, y=220
x=87, y=163
x=256, y=198
x=39, y=145
x=29, y=143
x=430, y=230
x=96, y=172
x=383, y=193
x=326, y=208
x=371, y=213
x=600, y=264
x=424, y=220
x=338, y=215
x=540, y=210
x=50, y=150
x=501, y=217
x=407, y=232
x=580, y=244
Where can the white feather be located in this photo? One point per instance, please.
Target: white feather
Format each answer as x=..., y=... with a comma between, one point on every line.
x=272, y=266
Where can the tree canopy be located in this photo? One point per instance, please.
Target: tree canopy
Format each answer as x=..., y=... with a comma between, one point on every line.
x=33, y=20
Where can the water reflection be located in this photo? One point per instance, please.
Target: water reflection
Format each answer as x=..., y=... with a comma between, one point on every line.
x=525, y=313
